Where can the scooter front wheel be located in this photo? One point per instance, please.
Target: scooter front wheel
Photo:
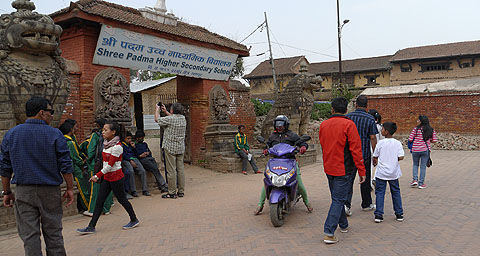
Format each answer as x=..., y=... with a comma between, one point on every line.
x=276, y=214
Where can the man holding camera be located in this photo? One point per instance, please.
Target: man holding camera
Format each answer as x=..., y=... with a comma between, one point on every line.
x=173, y=144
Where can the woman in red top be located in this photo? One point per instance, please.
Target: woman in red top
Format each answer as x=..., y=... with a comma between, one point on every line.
x=112, y=178
x=422, y=135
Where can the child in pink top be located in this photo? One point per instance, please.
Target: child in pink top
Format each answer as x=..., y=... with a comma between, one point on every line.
x=422, y=136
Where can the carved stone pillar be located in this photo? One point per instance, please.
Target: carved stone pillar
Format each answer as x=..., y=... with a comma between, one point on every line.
x=112, y=93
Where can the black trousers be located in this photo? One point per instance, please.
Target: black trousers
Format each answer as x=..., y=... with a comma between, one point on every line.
x=365, y=188
x=118, y=190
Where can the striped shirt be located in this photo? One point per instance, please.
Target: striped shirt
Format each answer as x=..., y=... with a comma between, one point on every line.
x=418, y=143
x=174, y=134
x=112, y=163
x=366, y=126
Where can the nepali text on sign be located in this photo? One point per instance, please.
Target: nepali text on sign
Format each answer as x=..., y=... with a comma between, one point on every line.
x=123, y=48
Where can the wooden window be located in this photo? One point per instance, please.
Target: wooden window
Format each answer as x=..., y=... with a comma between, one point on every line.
x=439, y=66
x=371, y=80
x=406, y=67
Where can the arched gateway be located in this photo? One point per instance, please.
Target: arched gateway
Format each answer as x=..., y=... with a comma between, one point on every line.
x=99, y=35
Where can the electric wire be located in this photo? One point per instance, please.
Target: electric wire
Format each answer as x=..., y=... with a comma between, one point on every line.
x=349, y=47
x=259, y=26
x=331, y=56
x=276, y=40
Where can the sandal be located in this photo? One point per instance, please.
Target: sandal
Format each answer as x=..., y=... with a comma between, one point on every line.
x=172, y=196
x=309, y=208
x=258, y=210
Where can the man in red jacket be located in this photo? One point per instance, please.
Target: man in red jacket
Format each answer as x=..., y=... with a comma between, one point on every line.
x=342, y=151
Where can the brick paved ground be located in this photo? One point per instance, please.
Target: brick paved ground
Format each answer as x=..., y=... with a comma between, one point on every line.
x=215, y=218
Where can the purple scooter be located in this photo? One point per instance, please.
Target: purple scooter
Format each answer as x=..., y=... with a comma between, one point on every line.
x=281, y=179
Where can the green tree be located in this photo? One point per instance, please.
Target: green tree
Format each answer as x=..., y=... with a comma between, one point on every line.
x=238, y=70
x=146, y=75
x=321, y=111
x=261, y=108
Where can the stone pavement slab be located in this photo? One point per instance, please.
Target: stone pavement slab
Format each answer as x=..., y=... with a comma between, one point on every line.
x=215, y=218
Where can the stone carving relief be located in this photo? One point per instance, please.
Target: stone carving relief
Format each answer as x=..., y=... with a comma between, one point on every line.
x=30, y=63
x=295, y=101
x=218, y=103
x=113, y=92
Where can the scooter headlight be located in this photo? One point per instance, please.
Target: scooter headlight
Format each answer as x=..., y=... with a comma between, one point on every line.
x=279, y=180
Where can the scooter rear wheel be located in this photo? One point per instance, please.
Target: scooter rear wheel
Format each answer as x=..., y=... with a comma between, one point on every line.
x=276, y=215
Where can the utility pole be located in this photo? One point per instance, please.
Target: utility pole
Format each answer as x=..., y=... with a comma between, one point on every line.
x=339, y=46
x=275, y=86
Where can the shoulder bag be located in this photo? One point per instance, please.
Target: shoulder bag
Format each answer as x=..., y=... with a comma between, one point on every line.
x=429, y=161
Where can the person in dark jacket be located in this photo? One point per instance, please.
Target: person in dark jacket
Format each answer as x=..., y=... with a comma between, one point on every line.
x=145, y=157
x=282, y=134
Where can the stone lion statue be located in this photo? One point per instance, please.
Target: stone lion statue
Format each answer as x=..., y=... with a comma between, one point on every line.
x=30, y=64
x=296, y=102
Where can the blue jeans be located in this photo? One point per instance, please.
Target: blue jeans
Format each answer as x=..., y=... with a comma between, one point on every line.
x=336, y=215
x=421, y=157
x=380, y=187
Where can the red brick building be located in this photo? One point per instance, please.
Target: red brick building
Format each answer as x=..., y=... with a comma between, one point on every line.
x=82, y=22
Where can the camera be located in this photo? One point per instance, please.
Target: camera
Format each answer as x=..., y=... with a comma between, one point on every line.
x=159, y=104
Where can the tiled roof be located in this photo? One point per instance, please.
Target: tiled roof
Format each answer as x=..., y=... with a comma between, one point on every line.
x=133, y=16
x=283, y=66
x=356, y=65
x=438, y=51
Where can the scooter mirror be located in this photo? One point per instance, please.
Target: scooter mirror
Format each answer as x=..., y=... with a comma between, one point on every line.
x=303, y=138
x=260, y=139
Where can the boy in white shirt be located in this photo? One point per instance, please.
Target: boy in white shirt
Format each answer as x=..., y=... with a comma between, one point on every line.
x=386, y=157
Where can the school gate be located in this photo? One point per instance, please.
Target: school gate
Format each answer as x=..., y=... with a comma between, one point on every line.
x=106, y=40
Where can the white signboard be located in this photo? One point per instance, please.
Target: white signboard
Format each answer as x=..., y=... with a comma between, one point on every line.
x=123, y=48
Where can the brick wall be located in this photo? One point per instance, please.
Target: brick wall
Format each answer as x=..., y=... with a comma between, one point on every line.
x=78, y=44
x=241, y=108
x=455, y=112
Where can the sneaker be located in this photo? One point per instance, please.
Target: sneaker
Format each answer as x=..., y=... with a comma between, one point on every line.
x=87, y=213
x=330, y=239
x=258, y=172
x=344, y=230
x=348, y=211
x=129, y=197
x=422, y=186
x=134, y=194
x=399, y=217
x=146, y=193
x=107, y=213
x=378, y=218
x=369, y=208
x=244, y=172
x=86, y=231
x=414, y=183
x=131, y=224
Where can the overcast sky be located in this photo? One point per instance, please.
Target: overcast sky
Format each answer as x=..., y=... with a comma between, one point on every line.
x=308, y=27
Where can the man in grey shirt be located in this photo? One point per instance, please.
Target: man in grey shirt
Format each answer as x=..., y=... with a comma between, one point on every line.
x=173, y=144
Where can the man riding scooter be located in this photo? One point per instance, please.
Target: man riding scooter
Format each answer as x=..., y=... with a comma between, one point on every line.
x=282, y=134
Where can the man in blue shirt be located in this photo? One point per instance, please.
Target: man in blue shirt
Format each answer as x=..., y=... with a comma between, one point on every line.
x=38, y=156
x=367, y=129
